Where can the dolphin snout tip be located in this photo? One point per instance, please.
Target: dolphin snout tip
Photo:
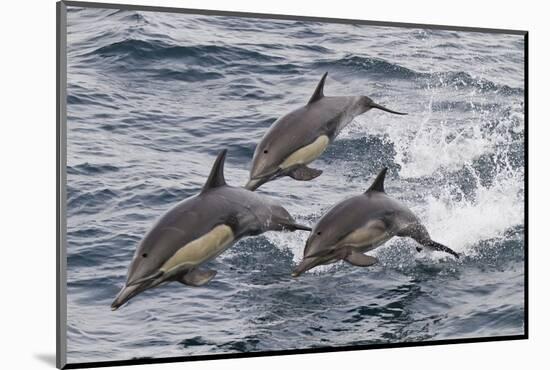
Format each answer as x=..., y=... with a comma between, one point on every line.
x=116, y=304
x=252, y=184
x=248, y=185
x=299, y=270
x=127, y=292
x=306, y=265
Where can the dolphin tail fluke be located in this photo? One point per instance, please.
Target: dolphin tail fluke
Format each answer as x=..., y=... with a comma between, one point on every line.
x=419, y=233
x=381, y=107
x=440, y=247
x=293, y=226
x=301, y=227
x=304, y=173
x=197, y=277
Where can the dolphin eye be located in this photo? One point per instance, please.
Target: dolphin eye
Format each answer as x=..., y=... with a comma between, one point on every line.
x=265, y=151
x=144, y=255
x=318, y=233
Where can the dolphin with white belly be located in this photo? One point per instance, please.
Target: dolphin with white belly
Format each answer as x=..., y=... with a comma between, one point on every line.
x=360, y=224
x=301, y=136
x=197, y=230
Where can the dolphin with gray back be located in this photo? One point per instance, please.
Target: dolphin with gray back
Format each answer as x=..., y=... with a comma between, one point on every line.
x=197, y=230
x=301, y=136
x=360, y=224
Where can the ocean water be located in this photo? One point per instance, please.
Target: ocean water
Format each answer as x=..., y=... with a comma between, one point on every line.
x=153, y=97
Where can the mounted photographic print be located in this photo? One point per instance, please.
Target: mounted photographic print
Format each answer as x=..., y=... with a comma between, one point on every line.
x=235, y=184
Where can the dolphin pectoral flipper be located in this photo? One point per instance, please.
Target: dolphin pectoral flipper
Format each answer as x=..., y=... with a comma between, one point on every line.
x=197, y=277
x=360, y=259
x=304, y=173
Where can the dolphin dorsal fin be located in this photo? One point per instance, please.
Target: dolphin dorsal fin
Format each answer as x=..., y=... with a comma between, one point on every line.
x=216, y=178
x=318, y=93
x=378, y=184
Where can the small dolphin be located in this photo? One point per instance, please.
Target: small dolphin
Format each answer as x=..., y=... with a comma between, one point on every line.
x=299, y=137
x=197, y=230
x=360, y=224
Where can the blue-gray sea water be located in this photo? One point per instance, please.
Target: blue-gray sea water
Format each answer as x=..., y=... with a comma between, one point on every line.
x=153, y=97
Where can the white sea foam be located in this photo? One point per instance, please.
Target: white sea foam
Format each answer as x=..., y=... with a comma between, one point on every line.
x=295, y=242
x=428, y=145
x=462, y=224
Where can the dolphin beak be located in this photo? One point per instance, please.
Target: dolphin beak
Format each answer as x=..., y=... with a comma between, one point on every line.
x=151, y=277
x=306, y=264
x=124, y=296
x=257, y=180
x=254, y=184
x=130, y=290
x=381, y=107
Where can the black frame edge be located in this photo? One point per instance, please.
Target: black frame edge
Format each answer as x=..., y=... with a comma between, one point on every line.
x=86, y=4
x=526, y=186
x=145, y=361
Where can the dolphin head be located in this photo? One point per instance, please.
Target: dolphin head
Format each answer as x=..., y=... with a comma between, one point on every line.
x=144, y=265
x=144, y=272
x=366, y=104
x=321, y=248
x=265, y=164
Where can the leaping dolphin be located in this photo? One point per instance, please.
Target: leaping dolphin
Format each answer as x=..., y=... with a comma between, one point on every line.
x=197, y=230
x=299, y=137
x=360, y=224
